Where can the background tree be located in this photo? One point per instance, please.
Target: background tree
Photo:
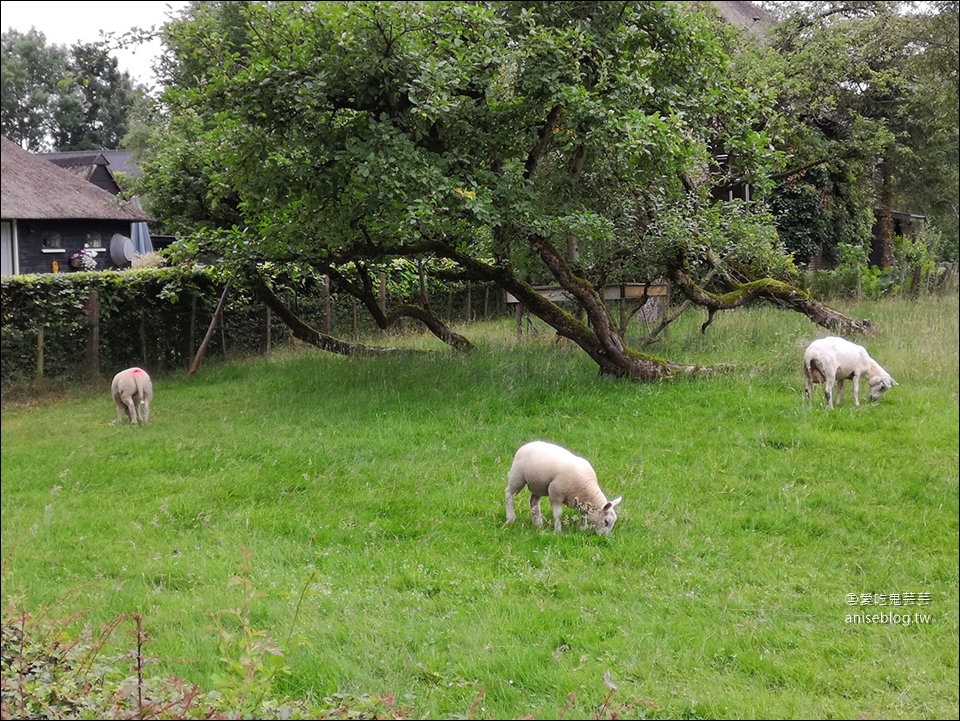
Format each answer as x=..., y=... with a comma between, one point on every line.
x=182, y=182
x=59, y=99
x=868, y=94
x=29, y=73
x=928, y=176
x=95, y=101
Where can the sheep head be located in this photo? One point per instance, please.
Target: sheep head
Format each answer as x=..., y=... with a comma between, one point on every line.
x=605, y=517
x=880, y=385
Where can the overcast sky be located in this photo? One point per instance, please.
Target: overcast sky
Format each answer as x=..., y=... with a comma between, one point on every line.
x=64, y=23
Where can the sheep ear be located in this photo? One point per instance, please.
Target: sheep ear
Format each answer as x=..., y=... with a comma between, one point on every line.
x=614, y=502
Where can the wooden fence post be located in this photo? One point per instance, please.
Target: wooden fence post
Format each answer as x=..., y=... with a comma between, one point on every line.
x=92, y=355
x=193, y=324
x=326, y=319
x=40, y=353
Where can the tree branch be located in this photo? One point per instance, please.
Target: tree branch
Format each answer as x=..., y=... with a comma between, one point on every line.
x=402, y=310
x=546, y=132
x=310, y=335
x=772, y=291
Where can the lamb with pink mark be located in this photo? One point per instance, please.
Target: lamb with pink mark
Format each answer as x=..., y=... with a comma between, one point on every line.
x=132, y=392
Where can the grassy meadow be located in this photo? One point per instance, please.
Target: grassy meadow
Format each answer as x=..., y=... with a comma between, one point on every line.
x=350, y=512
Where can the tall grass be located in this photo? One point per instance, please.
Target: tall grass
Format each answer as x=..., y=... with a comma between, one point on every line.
x=370, y=493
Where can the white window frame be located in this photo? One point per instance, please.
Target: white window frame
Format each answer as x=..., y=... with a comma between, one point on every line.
x=8, y=239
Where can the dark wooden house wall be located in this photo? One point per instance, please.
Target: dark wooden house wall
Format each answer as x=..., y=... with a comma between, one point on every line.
x=103, y=179
x=904, y=224
x=40, y=243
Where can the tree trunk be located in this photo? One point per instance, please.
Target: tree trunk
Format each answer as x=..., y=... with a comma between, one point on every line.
x=434, y=324
x=576, y=168
x=600, y=338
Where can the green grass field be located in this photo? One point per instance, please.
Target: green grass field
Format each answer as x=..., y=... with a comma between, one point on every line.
x=369, y=493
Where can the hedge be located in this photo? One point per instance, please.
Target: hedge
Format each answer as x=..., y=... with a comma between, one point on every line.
x=92, y=324
x=96, y=323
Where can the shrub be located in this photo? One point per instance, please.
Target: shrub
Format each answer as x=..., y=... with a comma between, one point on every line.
x=148, y=260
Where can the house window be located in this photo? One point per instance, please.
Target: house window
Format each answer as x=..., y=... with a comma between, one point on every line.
x=51, y=241
x=94, y=241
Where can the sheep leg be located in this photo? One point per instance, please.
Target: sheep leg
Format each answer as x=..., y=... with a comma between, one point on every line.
x=828, y=391
x=557, y=507
x=127, y=400
x=856, y=389
x=132, y=407
x=508, y=495
x=121, y=411
x=535, y=510
x=144, y=411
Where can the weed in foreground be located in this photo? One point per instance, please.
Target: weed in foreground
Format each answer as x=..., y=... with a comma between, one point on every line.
x=46, y=672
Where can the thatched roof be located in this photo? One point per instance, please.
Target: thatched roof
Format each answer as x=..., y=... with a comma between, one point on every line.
x=746, y=16
x=36, y=189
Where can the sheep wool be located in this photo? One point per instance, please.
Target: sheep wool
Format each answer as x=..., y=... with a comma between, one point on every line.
x=132, y=391
x=833, y=360
x=566, y=479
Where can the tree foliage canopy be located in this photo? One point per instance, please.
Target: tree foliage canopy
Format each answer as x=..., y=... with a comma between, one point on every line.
x=569, y=143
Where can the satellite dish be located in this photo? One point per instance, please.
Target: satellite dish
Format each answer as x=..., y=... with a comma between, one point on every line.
x=121, y=249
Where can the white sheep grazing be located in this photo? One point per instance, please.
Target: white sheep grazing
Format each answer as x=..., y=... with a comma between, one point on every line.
x=132, y=392
x=833, y=360
x=566, y=479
